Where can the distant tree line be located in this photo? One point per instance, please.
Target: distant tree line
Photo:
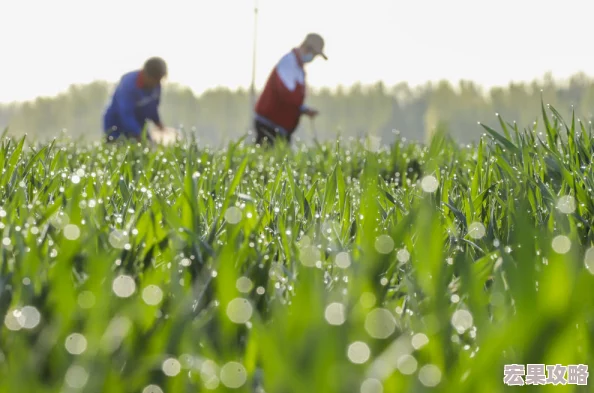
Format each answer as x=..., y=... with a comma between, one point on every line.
x=222, y=114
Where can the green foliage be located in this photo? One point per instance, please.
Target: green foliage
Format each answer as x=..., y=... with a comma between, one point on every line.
x=335, y=268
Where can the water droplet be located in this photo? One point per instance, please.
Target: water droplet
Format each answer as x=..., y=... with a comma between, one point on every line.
x=152, y=295
x=29, y=317
x=239, y=310
x=407, y=364
x=11, y=320
x=566, y=204
x=208, y=374
x=335, y=314
x=233, y=215
x=384, y=244
x=76, y=377
x=75, y=179
x=419, y=340
x=123, y=286
x=380, y=323
x=233, y=375
x=152, y=389
x=403, y=255
x=371, y=385
x=561, y=244
x=342, y=260
x=476, y=230
x=244, y=284
x=430, y=375
x=462, y=320
x=71, y=232
x=358, y=352
x=76, y=344
x=429, y=184
x=367, y=299
x=171, y=367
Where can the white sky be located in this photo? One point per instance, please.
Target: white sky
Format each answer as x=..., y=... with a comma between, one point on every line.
x=48, y=45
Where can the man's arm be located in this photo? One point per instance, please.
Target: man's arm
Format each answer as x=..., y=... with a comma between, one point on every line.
x=306, y=110
x=154, y=112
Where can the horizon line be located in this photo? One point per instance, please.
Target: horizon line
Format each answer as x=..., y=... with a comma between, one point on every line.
x=454, y=83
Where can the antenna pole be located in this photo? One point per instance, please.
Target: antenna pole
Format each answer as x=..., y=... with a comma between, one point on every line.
x=253, y=85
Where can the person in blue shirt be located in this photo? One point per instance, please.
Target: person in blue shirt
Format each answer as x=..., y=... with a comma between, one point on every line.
x=135, y=101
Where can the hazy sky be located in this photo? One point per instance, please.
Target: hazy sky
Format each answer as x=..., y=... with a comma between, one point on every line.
x=48, y=45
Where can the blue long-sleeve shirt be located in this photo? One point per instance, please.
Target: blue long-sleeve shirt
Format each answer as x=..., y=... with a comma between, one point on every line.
x=131, y=106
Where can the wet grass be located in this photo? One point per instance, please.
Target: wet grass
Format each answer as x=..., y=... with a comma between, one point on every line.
x=333, y=268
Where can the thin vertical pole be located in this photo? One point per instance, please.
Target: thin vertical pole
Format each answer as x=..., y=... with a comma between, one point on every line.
x=253, y=85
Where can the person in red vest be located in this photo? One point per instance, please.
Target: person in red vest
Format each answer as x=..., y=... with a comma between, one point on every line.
x=280, y=106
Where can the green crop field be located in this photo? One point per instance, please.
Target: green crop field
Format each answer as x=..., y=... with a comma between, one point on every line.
x=331, y=268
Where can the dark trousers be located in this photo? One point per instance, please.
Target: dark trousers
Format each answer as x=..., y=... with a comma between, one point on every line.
x=267, y=134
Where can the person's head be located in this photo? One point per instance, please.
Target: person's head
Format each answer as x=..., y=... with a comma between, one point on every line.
x=154, y=70
x=312, y=46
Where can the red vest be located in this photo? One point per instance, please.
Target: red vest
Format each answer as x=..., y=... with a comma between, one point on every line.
x=284, y=93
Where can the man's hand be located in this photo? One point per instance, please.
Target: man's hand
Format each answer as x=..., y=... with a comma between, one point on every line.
x=310, y=112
